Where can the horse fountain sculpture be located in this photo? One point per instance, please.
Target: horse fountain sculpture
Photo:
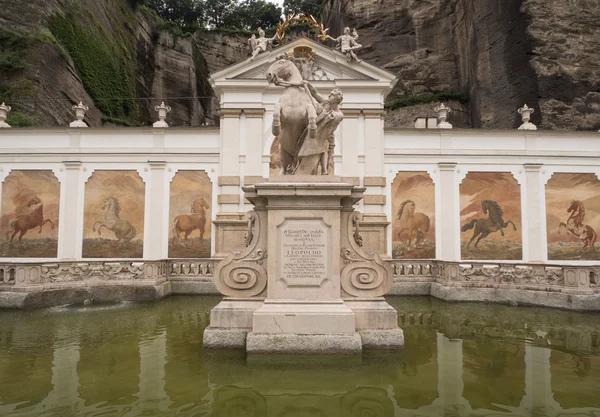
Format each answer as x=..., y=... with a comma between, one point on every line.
x=485, y=226
x=414, y=224
x=303, y=120
x=187, y=223
x=123, y=230
x=25, y=222
x=575, y=225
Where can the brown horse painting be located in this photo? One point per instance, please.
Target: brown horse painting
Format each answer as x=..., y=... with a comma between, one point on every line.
x=25, y=222
x=575, y=225
x=187, y=223
x=414, y=224
x=493, y=223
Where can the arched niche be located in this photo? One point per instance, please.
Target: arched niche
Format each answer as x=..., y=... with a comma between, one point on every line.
x=490, y=214
x=573, y=216
x=30, y=210
x=113, y=221
x=190, y=209
x=413, y=215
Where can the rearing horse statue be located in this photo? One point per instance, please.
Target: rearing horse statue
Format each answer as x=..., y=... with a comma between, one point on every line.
x=295, y=115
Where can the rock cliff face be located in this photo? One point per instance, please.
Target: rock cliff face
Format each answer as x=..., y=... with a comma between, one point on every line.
x=117, y=60
x=501, y=53
x=484, y=58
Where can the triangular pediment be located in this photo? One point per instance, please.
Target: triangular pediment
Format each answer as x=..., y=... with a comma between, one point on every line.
x=326, y=64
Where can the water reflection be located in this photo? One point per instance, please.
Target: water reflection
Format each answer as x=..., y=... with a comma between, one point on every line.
x=147, y=359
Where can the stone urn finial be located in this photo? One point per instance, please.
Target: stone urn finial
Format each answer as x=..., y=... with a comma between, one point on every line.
x=4, y=110
x=526, y=113
x=443, y=112
x=162, y=115
x=80, y=110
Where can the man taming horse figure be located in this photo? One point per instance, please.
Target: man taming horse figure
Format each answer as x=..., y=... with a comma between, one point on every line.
x=329, y=117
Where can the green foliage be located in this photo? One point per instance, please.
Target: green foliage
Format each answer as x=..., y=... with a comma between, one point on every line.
x=408, y=100
x=107, y=68
x=181, y=12
x=13, y=45
x=251, y=14
x=20, y=119
x=308, y=7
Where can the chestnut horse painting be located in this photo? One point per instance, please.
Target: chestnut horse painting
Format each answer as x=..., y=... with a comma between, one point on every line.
x=413, y=223
x=26, y=222
x=29, y=214
x=187, y=223
x=573, y=216
x=190, y=215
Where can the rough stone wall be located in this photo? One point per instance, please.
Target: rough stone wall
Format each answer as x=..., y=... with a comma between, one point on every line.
x=501, y=53
x=163, y=65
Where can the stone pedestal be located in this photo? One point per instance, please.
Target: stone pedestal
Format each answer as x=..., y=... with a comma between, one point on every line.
x=303, y=257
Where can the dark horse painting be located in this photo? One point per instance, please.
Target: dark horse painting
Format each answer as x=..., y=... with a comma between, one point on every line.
x=25, y=222
x=484, y=226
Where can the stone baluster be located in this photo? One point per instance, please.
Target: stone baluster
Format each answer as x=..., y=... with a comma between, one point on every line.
x=526, y=113
x=79, y=110
x=162, y=115
x=443, y=113
x=4, y=110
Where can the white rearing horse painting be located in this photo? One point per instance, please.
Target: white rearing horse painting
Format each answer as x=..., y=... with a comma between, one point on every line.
x=123, y=230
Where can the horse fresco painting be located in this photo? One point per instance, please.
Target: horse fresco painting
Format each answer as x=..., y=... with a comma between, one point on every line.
x=490, y=217
x=190, y=215
x=413, y=223
x=29, y=219
x=573, y=216
x=113, y=225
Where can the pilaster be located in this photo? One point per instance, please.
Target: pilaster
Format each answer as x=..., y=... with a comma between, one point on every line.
x=156, y=236
x=532, y=222
x=375, y=195
x=230, y=155
x=254, y=134
x=71, y=212
x=449, y=218
x=348, y=131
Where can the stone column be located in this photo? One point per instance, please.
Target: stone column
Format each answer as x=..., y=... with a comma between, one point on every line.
x=254, y=145
x=71, y=212
x=375, y=195
x=156, y=236
x=533, y=204
x=449, y=219
x=153, y=359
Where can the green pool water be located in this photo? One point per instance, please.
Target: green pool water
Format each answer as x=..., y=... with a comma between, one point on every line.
x=146, y=359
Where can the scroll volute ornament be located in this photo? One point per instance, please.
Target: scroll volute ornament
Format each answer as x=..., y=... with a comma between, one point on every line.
x=243, y=274
x=363, y=274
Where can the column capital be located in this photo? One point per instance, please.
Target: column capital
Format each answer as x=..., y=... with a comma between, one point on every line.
x=373, y=113
x=532, y=167
x=254, y=113
x=226, y=113
x=72, y=165
x=157, y=164
x=351, y=112
x=447, y=166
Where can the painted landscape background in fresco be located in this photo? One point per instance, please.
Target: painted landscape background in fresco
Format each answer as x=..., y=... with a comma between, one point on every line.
x=190, y=215
x=30, y=207
x=115, y=199
x=572, y=235
x=501, y=191
x=415, y=219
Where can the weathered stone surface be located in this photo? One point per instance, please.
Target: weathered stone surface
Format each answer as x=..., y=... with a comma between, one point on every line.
x=215, y=338
x=503, y=54
x=382, y=339
x=303, y=344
